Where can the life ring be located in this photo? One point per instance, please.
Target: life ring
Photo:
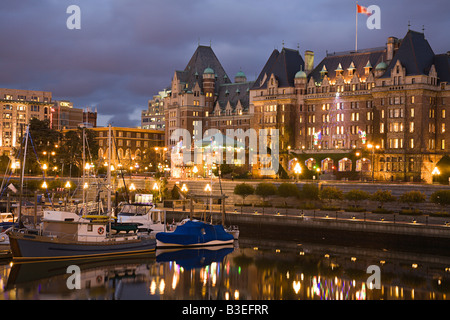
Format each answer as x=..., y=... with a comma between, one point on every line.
x=101, y=230
x=99, y=279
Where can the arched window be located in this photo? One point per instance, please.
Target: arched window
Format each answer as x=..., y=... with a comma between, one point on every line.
x=327, y=165
x=363, y=165
x=345, y=165
x=310, y=163
x=128, y=154
x=138, y=155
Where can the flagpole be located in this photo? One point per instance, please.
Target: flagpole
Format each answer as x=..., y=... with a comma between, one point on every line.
x=356, y=39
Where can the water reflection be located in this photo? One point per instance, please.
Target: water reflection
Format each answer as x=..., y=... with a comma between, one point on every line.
x=251, y=269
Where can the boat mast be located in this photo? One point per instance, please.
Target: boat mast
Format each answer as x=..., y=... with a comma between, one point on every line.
x=109, y=169
x=83, y=181
x=22, y=172
x=108, y=187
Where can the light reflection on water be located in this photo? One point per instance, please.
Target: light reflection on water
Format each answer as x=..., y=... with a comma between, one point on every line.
x=249, y=270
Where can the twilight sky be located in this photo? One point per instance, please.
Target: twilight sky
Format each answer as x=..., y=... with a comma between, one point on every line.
x=127, y=50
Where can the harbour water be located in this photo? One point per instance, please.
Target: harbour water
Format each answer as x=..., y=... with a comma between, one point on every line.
x=251, y=269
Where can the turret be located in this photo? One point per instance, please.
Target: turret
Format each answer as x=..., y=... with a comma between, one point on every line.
x=208, y=88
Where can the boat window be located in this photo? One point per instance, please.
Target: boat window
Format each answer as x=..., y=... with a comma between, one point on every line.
x=89, y=227
x=130, y=210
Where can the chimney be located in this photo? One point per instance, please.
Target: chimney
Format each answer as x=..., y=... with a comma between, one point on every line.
x=309, y=61
x=392, y=45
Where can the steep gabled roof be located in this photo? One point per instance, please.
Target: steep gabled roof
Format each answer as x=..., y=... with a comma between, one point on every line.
x=359, y=59
x=203, y=58
x=442, y=64
x=284, y=65
x=233, y=93
x=415, y=55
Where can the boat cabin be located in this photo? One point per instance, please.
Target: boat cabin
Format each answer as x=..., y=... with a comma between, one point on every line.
x=7, y=217
x=141, y=212
x=68, y=224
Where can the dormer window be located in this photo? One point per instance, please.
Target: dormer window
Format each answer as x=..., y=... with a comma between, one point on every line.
x=339, y=70
x=367, y=68
x=351, y=69
x=324, y=71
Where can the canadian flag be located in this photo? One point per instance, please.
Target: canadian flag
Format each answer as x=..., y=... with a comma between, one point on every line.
x=363, y=10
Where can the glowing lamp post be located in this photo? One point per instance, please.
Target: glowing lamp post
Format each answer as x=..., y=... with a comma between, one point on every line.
x=184, y=189
x=372, y=147
x=195, y=170
x=157, y=189
x=435, y=172
x=297, y=170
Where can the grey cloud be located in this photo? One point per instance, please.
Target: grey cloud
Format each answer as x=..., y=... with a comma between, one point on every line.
x=128, y=50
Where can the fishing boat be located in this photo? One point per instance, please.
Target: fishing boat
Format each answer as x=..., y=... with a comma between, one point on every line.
x=194, y=234
x=66, y=235
x=144, y=216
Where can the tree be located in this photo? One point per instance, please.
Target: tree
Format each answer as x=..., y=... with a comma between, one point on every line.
x=357, y=195
x=331, y=193
x=42, y=142
x=288, y=190
x=413, y=197
x=265, y=190
x=243, y=190
x=441, y=197
x=309, y=191
x=71, y=150
x=224, y=170
x=382, y=196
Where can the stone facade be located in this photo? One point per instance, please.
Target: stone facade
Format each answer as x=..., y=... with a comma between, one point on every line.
x=18, y=107
x=376, y=114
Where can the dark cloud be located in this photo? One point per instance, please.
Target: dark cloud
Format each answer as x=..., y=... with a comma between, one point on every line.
x=128, y=50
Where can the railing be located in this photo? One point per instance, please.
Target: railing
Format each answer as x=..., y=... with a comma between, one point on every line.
x=63, y=236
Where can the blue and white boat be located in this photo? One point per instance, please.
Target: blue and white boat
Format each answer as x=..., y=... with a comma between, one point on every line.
x=194, y=234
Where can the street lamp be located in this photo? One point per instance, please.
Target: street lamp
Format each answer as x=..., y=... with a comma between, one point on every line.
x=157, y=189
x=208, y=188
x=297, y=169
x=372, y=147
x=435, y=172
x=195, y=170
x=184, y=189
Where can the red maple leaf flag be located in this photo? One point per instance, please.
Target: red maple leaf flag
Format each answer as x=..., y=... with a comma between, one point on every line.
x=363, y=10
